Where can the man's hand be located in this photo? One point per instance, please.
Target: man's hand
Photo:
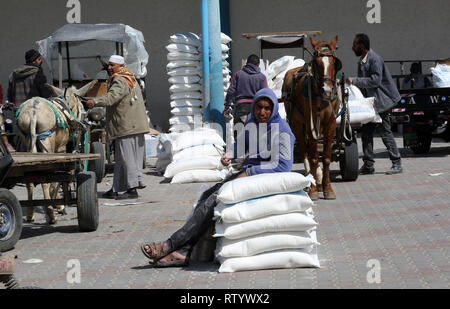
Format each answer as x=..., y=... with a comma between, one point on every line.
x=11, y=104
x=227, y=112
x=349, y=80
x=226, y=158
x=90, y=103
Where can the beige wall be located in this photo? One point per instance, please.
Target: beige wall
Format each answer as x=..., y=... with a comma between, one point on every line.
x=408, y=29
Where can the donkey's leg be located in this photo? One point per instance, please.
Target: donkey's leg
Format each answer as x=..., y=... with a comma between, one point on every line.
x=51, y=217
x=328, y=135
x=30, y=210
x=54, y=194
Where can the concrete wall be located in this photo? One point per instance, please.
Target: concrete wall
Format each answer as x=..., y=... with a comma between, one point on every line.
x=408, y=30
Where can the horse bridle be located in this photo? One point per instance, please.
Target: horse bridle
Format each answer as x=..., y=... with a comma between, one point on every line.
x=313, y=74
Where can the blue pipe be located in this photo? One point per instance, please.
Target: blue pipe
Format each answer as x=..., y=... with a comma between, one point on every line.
x=205, y=55
x=216, y=104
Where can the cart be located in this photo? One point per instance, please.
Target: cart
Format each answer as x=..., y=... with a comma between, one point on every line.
x=76, y=55
x=37, y=168
x=345, y=147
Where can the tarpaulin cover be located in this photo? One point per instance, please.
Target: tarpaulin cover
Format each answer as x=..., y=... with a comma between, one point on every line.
x=86, y=41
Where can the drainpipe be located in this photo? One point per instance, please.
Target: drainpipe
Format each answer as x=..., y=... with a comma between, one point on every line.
x=205, y=58
x=216, y=76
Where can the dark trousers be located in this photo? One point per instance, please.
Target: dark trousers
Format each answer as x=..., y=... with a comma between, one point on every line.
x=187, y=236
x=11, y=127
x=384, y=129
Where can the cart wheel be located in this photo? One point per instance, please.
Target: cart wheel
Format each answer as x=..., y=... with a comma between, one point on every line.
x=10, y=220
x=87, y=202
x=349, y=161
x=98, y=166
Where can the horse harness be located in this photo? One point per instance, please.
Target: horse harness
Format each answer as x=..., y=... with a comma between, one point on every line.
x=311, y=72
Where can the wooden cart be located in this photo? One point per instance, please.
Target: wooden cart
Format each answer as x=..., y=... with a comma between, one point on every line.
x=37, y=168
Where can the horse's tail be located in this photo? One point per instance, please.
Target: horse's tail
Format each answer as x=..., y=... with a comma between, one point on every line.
x=33, y=122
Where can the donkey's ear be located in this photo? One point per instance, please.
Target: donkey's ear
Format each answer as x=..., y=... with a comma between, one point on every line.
x=333, y=43
x=58, y=92
x=82, y=91
x=313, y=43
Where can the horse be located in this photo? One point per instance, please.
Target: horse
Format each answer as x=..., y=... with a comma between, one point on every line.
x=47, y=124
x=312, y=99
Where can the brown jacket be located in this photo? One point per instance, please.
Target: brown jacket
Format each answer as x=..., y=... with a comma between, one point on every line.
x=125, y=109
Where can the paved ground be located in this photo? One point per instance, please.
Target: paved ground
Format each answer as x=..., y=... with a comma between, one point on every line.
x=400, y=221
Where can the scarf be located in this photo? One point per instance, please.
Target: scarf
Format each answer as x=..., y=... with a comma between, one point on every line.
x=126, y=74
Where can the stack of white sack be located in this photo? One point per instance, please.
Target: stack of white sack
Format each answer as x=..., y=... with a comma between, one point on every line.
x=361, y=109
x=185, y=74
x=441, y=75
x=265, y=222
x=226, y=40
x=193, y=156
x=276, y=71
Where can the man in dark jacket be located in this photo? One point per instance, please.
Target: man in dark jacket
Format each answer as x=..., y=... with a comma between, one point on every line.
x=375, y=80
x=244, y=85
x=25, y=82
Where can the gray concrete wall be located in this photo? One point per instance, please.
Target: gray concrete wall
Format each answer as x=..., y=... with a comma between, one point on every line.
x=408, y=30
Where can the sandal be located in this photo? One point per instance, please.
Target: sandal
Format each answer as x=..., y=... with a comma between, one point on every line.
x=171, y=263
x=156, y=250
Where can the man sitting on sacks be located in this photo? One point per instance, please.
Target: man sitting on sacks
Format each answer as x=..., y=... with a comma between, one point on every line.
x=267, y=143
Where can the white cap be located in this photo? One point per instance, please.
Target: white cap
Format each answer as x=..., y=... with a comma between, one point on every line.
x=117, y=59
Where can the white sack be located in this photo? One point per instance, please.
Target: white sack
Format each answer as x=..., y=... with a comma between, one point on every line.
x=177, y=88
x=198, y=151
x=201, y=136
x=441, y=75
x=192, y=176
x=182, y=63
x=293, y=222
x=228, y=248
x=184, y=48
x=271, y=260
x=190, y=79
x=175, y=56
x=187, y=38
x=196, y=95
x=183, y=71
x=196, y=119
x=205, y=163
x=225, y=38
x=279, y=66
x=246, y=188
x=186, y=111
x=263, y=207
x=179, y=128
x=186, y=102
x=361, y=111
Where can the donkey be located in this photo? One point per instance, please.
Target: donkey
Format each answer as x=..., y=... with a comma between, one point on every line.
x=47, y=125
x=312, y=99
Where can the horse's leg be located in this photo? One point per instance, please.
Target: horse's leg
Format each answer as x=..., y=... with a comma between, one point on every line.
x=313, y=158
x=30, y=210
x=54, y=194
x=328, y=134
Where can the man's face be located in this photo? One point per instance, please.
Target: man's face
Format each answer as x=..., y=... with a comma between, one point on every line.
x=112, y=67
x=263, y=110
x=357, y=48
x=38, y=61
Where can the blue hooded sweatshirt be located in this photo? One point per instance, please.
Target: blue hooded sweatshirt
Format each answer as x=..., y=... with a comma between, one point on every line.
x=270, y=146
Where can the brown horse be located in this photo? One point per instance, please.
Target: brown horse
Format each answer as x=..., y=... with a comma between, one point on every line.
x=311, y=95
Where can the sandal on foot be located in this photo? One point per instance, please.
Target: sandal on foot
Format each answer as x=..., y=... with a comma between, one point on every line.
x=172, y=261
x=156, y=250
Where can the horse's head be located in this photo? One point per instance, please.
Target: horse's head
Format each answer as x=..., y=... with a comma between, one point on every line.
x=73, y=96
x=325, y=67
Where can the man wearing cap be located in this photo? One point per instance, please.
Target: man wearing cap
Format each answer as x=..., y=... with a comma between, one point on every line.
x=126, y=124
x=25, y=82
